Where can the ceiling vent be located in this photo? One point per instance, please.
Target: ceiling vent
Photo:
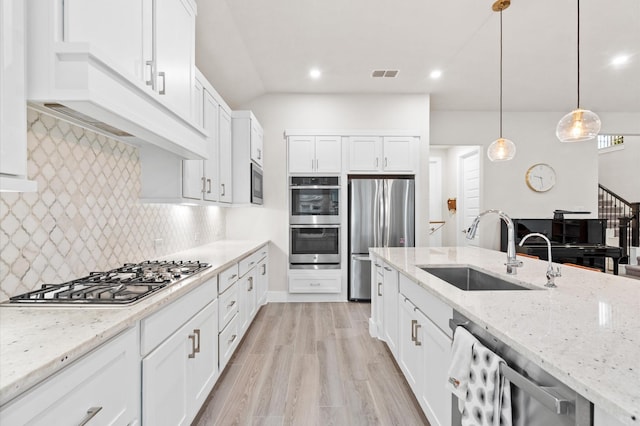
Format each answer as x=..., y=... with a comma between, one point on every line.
x=384, y=73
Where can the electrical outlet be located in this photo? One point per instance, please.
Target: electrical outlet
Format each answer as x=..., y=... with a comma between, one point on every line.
x=157, y=243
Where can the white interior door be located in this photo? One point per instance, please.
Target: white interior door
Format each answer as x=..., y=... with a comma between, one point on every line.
x=468, y=194
x=435, y=202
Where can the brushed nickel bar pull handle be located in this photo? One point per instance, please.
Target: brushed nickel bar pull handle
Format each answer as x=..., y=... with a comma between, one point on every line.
x=204, y=184
x=151, y=80
x=192, y=337
x=264, y=269
x=197, y=333
x=164, y=83
x=232, y=277
x=91, y=413
x=250, y=284
x=224, y=191
x=379, y=284
x=233, y=302
x=386, y=162
x=386, y=268
x=251, y=264
x=232, y=338
x=413, y=325
x=209, y=186
x=314, y=284
x=418, y=342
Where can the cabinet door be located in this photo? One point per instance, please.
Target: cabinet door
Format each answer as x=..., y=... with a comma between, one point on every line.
x=211, y=164
x=256, y=143
x=93, y=22
x=202, y=368
x=435, y=399
x=410, y=345
x=365, y=153
x=226, y=156
x=390, y=308
x=175, y=53
x=263, y=282
x=13, y=129
x=328, y=154
x=193, y=181
x=198, y=103
x=165, y=382
x=108, y=378
x=302, y=154
x=247, y=300
x=398, y=154
x=377, y=294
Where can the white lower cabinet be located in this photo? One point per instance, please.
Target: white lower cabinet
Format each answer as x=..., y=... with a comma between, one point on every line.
x=101, y=388
x=179, y=346
x=390, y=308
x=262, y=277
x=414, y=325
x=377, y=296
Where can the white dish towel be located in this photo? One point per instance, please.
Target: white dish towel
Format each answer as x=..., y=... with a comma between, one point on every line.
x=488, y=397
x=458, y=375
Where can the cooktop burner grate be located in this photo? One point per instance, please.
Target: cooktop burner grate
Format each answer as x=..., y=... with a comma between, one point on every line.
x=119, y=286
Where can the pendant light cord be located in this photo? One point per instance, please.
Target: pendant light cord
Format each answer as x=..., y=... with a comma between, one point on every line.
x=501, y=74
x=578, y=52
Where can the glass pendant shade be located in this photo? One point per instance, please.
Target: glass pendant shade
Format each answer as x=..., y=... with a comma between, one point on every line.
x=577, y=126
x=501, y=150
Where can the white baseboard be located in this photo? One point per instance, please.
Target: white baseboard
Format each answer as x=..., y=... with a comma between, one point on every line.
x=285, y=296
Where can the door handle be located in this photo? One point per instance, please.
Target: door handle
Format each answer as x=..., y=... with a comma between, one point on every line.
x=379, y=285
x=192, y=337
x=91, y=413
x=250, y=284
x=204, y=184
x=418, y=342
x=151, y=79
x=413, y=330
x=164, y=82
x=223, y=190
x=197, y=333
x=209, y=186
x=386, y=162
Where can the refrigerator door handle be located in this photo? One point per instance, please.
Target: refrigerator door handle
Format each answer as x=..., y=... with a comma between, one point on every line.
x=360, y=257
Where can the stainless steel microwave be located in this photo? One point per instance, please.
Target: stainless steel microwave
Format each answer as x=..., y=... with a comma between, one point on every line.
x=256, y=184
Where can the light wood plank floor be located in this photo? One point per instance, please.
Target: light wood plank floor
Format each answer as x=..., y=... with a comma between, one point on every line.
x=311, y=364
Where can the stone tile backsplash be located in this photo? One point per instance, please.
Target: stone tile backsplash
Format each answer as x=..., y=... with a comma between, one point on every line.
x=86, y=215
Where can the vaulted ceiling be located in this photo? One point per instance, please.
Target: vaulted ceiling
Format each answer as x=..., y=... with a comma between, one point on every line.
x=247, y=48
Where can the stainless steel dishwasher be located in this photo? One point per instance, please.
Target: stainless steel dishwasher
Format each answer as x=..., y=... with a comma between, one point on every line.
x=537, y=398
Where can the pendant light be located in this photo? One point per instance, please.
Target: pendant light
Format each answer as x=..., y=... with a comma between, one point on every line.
x=580, y=124
x=501, y=149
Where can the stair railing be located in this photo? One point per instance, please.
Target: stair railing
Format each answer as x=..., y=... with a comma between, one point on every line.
x=623, y=215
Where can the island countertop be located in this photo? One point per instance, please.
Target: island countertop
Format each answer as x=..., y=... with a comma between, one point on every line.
x=37, y=341
x=585, y=332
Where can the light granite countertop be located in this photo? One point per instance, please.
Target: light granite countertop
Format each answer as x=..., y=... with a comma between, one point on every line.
x=585, y=332
x=37, y=341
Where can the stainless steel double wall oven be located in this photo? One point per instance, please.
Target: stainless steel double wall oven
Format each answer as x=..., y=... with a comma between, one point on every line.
x=314, y=219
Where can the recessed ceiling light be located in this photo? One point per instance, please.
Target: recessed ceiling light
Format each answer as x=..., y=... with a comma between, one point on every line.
x=620, y=60
x=315, y=73
x=435, y=74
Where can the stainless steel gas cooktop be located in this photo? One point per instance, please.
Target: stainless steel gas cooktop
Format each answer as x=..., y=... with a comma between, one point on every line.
x=119, y=286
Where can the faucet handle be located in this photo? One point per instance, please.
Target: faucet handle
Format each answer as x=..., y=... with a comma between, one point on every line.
x=557, y=272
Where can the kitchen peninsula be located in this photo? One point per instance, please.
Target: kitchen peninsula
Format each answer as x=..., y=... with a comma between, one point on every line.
x=585, y=332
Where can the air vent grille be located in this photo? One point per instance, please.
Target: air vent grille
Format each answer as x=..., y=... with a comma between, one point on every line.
x=384, y=73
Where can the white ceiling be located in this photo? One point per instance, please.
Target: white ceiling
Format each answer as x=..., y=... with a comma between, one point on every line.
x=248, y=48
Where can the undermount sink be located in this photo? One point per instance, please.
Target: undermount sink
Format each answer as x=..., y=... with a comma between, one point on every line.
x=470, y=279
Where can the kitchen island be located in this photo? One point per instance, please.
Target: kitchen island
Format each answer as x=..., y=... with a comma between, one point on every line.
x=37, y=341
x=585, y=332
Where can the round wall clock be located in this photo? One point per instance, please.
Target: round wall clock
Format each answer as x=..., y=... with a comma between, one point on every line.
x=540, y=177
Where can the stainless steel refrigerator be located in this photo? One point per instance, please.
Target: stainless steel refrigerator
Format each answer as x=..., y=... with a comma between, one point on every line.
x=381, y=214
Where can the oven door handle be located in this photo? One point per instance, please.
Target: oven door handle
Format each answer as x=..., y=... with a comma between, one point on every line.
x=361, y=258
x=314, y=226
x=315, y=187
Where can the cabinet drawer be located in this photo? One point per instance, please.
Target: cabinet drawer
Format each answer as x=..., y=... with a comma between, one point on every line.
x=228, y=306
x=159, y=326
x=263, y=251
x=315, y=282
x=228, y=341
x=227, y=277
x=106, y=380
x=436, y=310
x=249, y=262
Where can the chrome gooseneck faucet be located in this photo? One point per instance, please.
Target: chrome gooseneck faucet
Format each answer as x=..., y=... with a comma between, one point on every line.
x=551, y=273
x=512, y=262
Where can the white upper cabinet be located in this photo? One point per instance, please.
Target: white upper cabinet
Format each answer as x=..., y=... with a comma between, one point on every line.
x=13, y=107
x=125, y=68
x=226, y=156
x=174, y=52
x=315, y=154
x=382, y=154
x=257, y=145
x=248, y=155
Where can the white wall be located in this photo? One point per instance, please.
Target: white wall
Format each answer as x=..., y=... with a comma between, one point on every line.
x=503, y=184
x=279, y=112
x=620, y=170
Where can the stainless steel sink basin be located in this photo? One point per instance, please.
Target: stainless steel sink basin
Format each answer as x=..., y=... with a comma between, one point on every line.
x=469, y=279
